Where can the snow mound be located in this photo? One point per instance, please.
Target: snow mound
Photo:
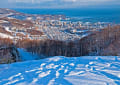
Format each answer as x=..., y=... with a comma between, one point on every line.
x=2, y=35
x=96, y=70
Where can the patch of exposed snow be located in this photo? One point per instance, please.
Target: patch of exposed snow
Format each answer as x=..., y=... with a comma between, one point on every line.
x=2, y=35
x=55, y=59
x=44, y=74
x=72, y=64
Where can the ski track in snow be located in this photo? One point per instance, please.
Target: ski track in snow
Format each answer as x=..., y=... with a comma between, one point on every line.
x=96, y=70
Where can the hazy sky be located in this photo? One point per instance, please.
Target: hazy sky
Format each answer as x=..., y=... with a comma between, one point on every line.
x=60, y=3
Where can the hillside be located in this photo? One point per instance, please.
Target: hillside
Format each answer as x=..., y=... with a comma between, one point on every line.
x=6, y=11
x=97, y=70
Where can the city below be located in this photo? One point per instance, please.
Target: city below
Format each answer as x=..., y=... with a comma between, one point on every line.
x=19, y=26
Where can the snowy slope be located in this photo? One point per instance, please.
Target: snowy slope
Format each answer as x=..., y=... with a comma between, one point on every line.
x=63, y=71
x=2, y=35
x=25, y=56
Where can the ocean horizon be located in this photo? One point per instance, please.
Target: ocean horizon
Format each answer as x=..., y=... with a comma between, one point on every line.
x=85, y=15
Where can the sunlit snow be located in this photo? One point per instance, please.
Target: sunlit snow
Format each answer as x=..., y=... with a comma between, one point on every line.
x=58, y=70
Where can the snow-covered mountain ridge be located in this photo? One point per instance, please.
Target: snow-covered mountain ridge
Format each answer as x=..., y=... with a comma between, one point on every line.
x=89, y=70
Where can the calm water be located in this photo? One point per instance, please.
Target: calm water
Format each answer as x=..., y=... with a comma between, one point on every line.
x=85, y=15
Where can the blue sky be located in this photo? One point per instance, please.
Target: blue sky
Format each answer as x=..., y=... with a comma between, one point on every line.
x=60, y=3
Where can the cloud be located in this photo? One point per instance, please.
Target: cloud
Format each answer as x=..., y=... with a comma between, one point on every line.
x=41, y=1
x=61, y=3
x=69, y=0
x=29, y=1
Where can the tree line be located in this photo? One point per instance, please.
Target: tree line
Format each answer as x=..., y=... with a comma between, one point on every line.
x=8, y=51
x=94, y=43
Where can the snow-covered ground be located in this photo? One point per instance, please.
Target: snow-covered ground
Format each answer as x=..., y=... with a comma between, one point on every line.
x=25, y=56
x=2, y=35
x=96, y=70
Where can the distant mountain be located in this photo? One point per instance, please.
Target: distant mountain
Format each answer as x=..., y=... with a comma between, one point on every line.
x=6, y=11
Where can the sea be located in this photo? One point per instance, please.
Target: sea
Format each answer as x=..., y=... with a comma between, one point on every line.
x=83, y=15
